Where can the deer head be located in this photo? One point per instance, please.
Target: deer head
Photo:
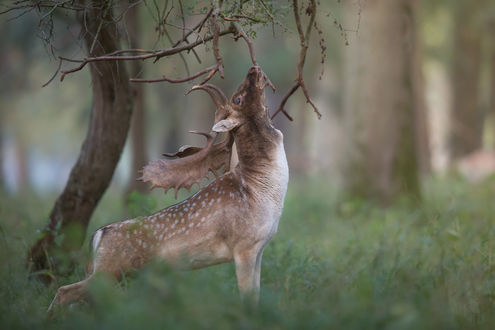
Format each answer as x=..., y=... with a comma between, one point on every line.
x=247, y=103
x=194, y=163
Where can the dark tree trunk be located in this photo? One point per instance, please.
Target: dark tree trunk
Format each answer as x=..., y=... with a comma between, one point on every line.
x=100, y=152
x=2, y=179
x=138, y=131
x=467, y=118
x=380, y=103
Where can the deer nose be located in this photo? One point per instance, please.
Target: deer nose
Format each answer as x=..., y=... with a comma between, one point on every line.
x=254, y=69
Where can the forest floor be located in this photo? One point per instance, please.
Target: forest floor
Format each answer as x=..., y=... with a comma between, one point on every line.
x=334, y=264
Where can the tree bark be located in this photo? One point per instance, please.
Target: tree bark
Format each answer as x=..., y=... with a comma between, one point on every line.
x=466, y=118
x=380, y=103
x=2, y=178
x=100, y=152
x=138, y=131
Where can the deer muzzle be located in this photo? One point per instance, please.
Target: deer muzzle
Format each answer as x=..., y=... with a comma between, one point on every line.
x=255, y=76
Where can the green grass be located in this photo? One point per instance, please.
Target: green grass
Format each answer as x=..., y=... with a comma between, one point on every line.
x=334, y=264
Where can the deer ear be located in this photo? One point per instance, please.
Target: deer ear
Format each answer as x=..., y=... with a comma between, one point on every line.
x=225, y=125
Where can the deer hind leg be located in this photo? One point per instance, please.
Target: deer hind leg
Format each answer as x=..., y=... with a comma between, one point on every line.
x=247, y=269
x=70, y=293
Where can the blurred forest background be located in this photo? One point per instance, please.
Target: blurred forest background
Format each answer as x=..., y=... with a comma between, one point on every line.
x=449, y=45
x=391, y=193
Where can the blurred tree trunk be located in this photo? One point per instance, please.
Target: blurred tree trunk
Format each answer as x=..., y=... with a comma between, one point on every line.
x=422, y=135
x=466, y=118
x=380, y=103
x=295, y=143
x=492, y=75
x=138, y=130
x=21, y=162
x=2, y=178
x=100, y=152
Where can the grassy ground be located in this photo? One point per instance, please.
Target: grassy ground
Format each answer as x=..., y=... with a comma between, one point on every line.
x=333, y=265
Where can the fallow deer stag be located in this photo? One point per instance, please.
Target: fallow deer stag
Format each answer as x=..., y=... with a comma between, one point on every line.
x=231, y=219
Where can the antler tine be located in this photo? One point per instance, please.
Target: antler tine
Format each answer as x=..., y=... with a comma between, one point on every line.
x=208, y=88
x=219, y=91
x=210, y=137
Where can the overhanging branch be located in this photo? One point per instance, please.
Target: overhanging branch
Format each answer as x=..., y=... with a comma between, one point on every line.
x=304, y=42
x=153, y=54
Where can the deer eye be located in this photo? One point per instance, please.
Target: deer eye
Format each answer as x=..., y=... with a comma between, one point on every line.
x=238, y=100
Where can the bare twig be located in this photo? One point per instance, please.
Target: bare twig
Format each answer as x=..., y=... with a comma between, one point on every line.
x=304, y=42
x=154, y=54
x=196, y=29
x=17, y=5
x=55, y=74
x=210, y=70
x=253, y=19
x=229, y=19
x=183, y=20
x=242, y=34
x=216, y=51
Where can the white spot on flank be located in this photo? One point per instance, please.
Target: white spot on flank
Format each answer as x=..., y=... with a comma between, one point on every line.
x=96, y=240
x=191, y=224
x=203, y=219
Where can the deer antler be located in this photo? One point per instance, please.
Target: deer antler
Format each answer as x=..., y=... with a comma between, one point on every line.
x=193, y=163
x=183, y=151
x=192, y=166
x=219, y=99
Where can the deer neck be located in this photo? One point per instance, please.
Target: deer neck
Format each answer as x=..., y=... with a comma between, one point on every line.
x=262, y=162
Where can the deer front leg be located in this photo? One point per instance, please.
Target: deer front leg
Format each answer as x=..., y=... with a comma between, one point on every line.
x=247, y=269
x=70, y=293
